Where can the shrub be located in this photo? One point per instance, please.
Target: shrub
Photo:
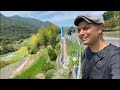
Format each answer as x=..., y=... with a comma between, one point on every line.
x=33, y=50
x=22, y=50
x=49, y=73
x=53, y=40
x=2, y=64
x=57, y=48
x=47, y=66
x=52, y=54
x=117, y=28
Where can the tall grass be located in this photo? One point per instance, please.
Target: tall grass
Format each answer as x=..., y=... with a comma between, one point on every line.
x=73, y=47
x=23, y=50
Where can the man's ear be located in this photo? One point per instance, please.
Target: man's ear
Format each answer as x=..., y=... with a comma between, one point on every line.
x=100, y=28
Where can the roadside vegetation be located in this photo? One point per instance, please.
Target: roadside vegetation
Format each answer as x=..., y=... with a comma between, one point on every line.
x=73, y=52
x=18, y=55
x=112, y=20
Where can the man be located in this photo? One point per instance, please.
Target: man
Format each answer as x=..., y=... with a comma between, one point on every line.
x=101, y=60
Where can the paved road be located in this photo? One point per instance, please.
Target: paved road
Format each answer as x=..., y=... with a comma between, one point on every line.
x=112, y=40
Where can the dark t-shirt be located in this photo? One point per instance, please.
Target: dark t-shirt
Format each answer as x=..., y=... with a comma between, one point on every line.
x=104, y=69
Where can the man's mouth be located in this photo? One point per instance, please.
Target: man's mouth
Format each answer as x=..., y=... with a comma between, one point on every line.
x=83, y=38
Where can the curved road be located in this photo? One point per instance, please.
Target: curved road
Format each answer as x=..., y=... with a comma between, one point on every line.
x=113, y=40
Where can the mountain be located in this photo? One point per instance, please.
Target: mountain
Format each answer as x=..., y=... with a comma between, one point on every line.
x=16, y=28
x=30, y=21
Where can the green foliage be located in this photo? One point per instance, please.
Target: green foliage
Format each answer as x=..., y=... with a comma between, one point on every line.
x=57, y=49
x=15, y=28
x=49, y=73
x=3, y=64
x=10, y=33
x=111, y=14
x=13, y=46
x=23, y=50
x=47, y=66
x=48, y=35
x=112, y=20
x=34, y=40
x=111, y=23
x=33, y=44
x=117, y=28
x=31, y=72
x=41, y=65
x=53, y=40
x=73, y=52
x=53, y=32
x=33, y=50
x=19, y=54
x=52, y=54
x=42, y=36
x=6, y=49
x=12, y=60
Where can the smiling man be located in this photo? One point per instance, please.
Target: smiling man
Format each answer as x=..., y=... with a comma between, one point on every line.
x=101, y=60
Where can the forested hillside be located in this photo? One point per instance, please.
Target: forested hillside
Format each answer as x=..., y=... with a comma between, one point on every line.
x=15, y=28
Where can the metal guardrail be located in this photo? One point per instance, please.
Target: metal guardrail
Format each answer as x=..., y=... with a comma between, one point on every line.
x=76, y=69
x=76, y=72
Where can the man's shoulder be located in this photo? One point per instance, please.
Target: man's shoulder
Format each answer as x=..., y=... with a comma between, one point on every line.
x=111, y=49
x=114, y=50
x=113, y=53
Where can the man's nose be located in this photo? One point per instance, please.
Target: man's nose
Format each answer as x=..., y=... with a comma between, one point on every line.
x=82, y=32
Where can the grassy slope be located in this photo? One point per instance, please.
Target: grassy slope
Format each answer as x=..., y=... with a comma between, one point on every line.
x=37, y=67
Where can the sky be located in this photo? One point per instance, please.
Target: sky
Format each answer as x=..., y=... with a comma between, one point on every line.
x=59, y=18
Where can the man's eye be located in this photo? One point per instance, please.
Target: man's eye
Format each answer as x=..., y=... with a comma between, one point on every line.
x=79, y=30
x=86, y=28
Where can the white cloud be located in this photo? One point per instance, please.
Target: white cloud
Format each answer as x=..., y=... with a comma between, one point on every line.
x=11, y=13
x=49, y=12
x=66, y=15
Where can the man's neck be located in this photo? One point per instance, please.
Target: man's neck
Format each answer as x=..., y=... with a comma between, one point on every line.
x=96, y=47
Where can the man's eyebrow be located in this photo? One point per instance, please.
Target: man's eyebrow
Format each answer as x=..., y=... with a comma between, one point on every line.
x=81, y=26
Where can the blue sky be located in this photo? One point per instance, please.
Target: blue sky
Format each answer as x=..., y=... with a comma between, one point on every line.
x=59, y=18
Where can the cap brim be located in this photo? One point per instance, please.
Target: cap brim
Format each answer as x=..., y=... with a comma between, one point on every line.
x=80, y=19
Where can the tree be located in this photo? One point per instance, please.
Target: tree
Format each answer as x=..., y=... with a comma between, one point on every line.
x=112, y=20
x=43, y=37
x=111, y=14
x=33, y=44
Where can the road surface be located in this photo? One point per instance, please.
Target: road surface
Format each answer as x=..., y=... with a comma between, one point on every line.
x=112, y=40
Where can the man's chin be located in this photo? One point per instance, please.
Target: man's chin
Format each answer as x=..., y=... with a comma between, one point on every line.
x=85, y=43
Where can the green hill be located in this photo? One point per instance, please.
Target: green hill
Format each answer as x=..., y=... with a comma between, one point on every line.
x=15, y=28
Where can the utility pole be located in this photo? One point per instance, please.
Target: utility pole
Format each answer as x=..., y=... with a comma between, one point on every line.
x=63, y=45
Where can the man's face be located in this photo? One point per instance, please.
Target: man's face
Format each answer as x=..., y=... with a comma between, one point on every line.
x=88, y=33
